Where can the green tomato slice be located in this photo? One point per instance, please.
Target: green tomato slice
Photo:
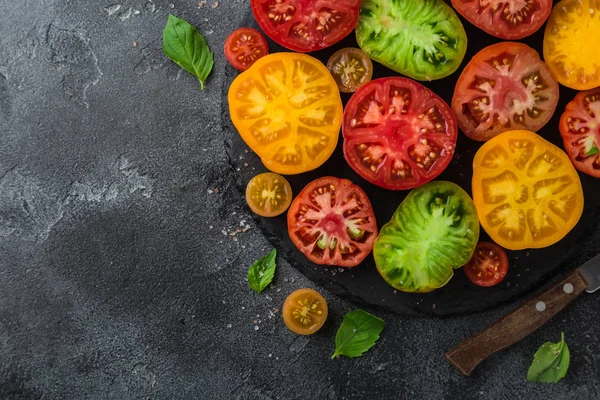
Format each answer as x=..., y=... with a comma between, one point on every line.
x=422, y=39
x=433, y=231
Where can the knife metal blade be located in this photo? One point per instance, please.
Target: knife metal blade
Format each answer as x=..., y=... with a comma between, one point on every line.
x=591, y=273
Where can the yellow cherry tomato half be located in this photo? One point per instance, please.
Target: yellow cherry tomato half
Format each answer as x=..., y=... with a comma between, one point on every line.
x=351, y=68
x=526, y=191
x=570, y=49
x=304, y=311
x=288, y=110
x=268, y=194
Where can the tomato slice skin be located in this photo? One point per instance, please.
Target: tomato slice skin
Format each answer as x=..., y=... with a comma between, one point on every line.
x=351, y=68
x=397, y=133
x=331, y=222
x=506, y=86
x=306, y=25
x=527, y=193
x=488, y=266
x=505, y=19
x=244, y=46
x=304, y=311
x=571, y=56
x=287, y=109
x=580, y=130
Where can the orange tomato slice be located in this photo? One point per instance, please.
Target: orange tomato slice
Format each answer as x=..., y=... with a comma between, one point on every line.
x=304, y=311
x=526, y=191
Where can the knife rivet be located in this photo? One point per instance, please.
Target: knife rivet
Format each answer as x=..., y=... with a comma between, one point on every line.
x=540, y=306
x=568, y=288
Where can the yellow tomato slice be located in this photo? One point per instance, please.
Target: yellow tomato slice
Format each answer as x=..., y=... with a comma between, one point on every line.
x=304, y=311
x=569, y=43
x=268, y=194
x=526, y=191
x=288, y=110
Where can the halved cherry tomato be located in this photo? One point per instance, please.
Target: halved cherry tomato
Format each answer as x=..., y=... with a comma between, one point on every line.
x=580, y=130
x=268, y=194
x=304, y=311
x=397, y=133
x=526, y=191
x=488, y=266
x=331, y=221
x=506, y=19
x=244, y=46
x=504, y=87
x=306, y=25
x=288, y=110
x=351, y=68
x=570, y=47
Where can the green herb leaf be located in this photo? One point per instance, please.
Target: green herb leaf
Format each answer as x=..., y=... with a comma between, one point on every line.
x=592, y=151
x=187, y=48
x=262, y=271
x=550, y=362
x=357, y=334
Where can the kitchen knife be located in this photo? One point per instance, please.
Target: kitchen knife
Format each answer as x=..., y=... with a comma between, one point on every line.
x=534, y=313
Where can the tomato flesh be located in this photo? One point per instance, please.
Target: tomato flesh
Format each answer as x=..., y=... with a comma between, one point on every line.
x=569, y=43
x=288, y=110
x=244, y=46
x=580, y=130
x=268, y=194
x=488, y=266
x=331, y=221
x=397, y=133
x=351, y=68
x=506, y=19
x=306, y=25
x=527, y=192
x=506, y=86
x=305, y=311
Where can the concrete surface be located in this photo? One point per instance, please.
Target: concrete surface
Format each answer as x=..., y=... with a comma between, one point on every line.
x=122, y=271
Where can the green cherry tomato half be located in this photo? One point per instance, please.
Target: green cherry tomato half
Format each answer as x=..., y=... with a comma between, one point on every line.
x=268, y=194
x=433, y=231
x=351, y=68
x=422, y=39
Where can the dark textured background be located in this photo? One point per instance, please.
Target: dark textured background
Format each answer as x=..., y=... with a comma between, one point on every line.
x=124, y=242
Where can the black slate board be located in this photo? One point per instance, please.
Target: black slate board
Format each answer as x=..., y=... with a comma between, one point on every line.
x=528, y=268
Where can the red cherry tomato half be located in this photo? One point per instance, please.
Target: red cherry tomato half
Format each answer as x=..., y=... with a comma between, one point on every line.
x=306, y=25
x=580, y=130
x=244, y=46
x=397, y=133
x=488, y=265
x=506, y=19
x=332, y=222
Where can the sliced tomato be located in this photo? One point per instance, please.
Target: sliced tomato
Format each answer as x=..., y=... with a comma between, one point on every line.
x=332, y=222
x=351, y=68
x=488, y=266
x=306, y=25
x=506, y=86
x=244, y=46
x=397, y=133
x=304, y=311
x=506, y=19
x=580, y=130
x=268, y=194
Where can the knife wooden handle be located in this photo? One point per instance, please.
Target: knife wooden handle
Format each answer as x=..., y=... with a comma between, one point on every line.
x=513, y=327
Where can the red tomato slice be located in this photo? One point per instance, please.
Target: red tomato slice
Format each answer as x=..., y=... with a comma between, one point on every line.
x=306, y=25
x=397, y=133
x=505, y=87
x=332, y=222
x=244, y=46
x=488, y=266
x=580, y=130
x=506, y=19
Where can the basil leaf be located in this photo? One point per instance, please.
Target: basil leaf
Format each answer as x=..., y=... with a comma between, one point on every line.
x=357, y=334
x=550, y=362
x=593, y=151
x=187, y=48
x=261, y=273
